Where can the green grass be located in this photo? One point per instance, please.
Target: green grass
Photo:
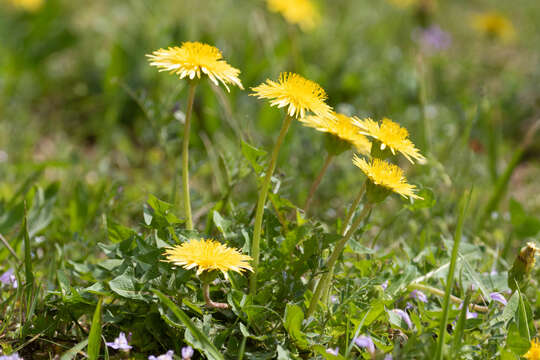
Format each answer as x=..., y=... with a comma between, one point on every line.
x=90, y=182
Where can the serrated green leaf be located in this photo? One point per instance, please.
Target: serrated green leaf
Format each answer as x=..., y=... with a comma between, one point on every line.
x=206, y=346
x=293, y=324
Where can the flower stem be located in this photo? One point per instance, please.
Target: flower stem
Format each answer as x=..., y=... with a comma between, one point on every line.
x=327, y=277
x=208, y=301
x=263, y=192
x=454, y=299
x=317, y=182
x=353, y=207
x=185, y=156
x=350, y=213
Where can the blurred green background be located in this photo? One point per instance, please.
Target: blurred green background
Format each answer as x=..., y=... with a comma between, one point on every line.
x=80, y=104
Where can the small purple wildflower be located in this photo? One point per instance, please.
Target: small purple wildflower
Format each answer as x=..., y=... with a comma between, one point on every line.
x=120, y=343
x=334, y=299
x=470, y=314
x=495, y=296
x=365, y=342
x=167, y=356
x=409, y=306
x=187, y=352
x=8, y=278
x=388, y=357
x=14, y=356
x=384, y=285
x=331, y=351
x=419, y=296
x=404, y=316
x=433, y=39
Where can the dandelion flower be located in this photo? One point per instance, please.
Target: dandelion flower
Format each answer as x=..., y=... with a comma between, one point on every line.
x=193, y=58
x=300, y=12
x=391, y=135
x=534, y=351
x=494, y=25
x=386, y=175
x=299, y=94
x=207, y=255
x=342, y=127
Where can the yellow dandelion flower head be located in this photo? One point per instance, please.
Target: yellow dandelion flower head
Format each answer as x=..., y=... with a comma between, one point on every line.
x=534, y=351
x=193, y=58
x=300, y=12
x=341, y=126
x=387, y=175
x=391, y=135
x=494, y=25
x=28, y=5
x=207, y=255
x=299, y=94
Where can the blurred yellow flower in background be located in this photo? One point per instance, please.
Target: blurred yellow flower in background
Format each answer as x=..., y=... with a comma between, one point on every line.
x=342, y=127
x=534, y=351
x=391, y=135
x=207, y=255
x=494, y=25
x=299, y=94
x=28, y=5
x=387, y=175
x=403, y=3
x=300, y=12
x=193, y=58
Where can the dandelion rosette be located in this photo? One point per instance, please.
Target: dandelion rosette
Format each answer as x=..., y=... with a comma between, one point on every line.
x=534, y=351
x=193, y=58
x=299, y=94
x=342, y=127
x=390, y=135
x=300, y=12
x=386, y=175
x=494, y=25
x=207, y=255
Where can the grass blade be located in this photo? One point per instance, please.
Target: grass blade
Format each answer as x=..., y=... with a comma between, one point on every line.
x=71, y=353
x=450, y=280
x=207, y=346
x=94, y=339
x=27, y=250
x=460, y=327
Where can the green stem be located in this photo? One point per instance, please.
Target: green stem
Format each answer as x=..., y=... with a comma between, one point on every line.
x=353, y=208
x=454, y=299
x=350, y=213
x=317, y=182
x=327, y=277
x=208, y=300
x=185, y=156
x=263, y=192
x=450, y=278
